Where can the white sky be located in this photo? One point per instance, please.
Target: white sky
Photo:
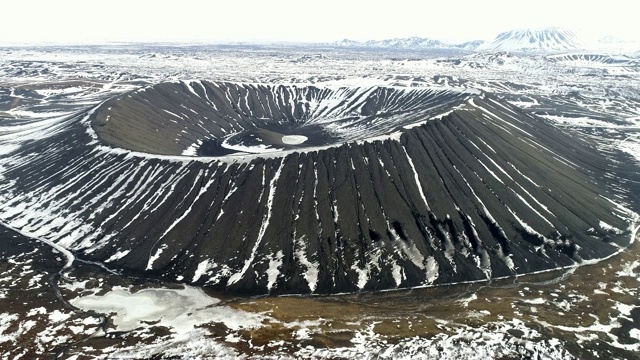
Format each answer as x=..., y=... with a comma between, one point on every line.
x=73, y=21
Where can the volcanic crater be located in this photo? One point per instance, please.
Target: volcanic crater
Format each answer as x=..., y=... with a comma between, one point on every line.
x=256, y=189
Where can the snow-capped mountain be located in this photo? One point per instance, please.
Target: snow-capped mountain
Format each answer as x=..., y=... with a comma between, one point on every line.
x=471, y=45
x=409, y=43
x=412, y=42
x=347, y=43
x=542, y=40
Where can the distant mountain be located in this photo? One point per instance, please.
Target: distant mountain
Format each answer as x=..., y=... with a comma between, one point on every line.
x=409, y=43
x=612, y=40
x=617, y=45
x=535, y=40
x=412, y=42
x=471, y=45
x=347, y=43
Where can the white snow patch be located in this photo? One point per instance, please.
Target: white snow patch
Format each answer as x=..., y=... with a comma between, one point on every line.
x=57, y=315
x=181, y=310
x=629, y=269
x=41, y=310
x=398, y=274
x=5, y=322
x=118, y=255
x=155, y=256
x=275, y=262
x=537, y=301
x=465, y=302
x=192, y=150
x=294, y=139
x=200, y=270
x=363, y=275
x=432, y=269
x=311, y=274
x=610, y=228
x=8, y=148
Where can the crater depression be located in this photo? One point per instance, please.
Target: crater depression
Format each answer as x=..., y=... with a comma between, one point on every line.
x=259, y=189
x=216, y=119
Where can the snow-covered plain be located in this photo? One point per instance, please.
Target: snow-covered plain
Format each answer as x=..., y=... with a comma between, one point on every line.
x=42, y=88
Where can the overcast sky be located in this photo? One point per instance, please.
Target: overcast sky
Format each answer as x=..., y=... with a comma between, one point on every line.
x=73, y=21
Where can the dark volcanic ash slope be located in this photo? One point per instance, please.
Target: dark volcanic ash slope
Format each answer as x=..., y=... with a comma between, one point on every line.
x=484, y=190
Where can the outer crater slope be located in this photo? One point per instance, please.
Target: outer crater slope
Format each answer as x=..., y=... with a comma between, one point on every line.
x=391, y=188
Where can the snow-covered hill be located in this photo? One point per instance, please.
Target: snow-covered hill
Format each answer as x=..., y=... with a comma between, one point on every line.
x=535, y=40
